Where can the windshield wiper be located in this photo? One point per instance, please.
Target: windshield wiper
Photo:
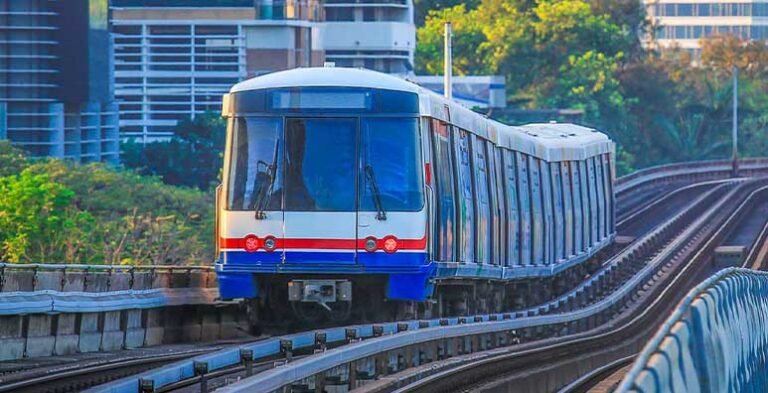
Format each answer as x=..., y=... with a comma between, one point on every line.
x=265, y=191
x=381, y=215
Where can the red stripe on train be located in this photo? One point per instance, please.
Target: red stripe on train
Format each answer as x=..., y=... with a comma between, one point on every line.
x=323, y=244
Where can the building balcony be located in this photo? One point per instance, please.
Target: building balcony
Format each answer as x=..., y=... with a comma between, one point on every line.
x=396, y=36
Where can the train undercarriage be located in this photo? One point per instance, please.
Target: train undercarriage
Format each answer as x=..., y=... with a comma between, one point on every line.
x=362, y=298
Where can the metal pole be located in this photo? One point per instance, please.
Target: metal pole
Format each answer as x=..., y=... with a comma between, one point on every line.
x=735, y=129
x=448, y=60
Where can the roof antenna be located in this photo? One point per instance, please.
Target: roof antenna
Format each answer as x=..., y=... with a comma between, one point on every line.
x=448, y=71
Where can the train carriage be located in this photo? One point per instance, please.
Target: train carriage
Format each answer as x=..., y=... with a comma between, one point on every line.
x=347, y=187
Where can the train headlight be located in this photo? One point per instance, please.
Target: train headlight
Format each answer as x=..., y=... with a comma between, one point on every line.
x=251, y=243
x=390, y=244
x=371, y=244
x=270, y=243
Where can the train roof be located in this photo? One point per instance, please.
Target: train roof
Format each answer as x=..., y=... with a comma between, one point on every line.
x=326, y=76
x=549, y=141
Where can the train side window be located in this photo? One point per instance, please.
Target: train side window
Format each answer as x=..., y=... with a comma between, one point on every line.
x=524, y=190
x=557, y=202
x=568, y=208
x=444, y=185
x=538, y=213
x=466, y=199
x=498, y=205
x=579, y=216
x=512, y=218
x=482, y=200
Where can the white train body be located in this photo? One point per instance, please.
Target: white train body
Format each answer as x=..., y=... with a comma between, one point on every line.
x=340, y=178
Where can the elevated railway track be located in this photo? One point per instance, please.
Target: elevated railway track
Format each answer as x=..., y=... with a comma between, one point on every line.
x=657, y=264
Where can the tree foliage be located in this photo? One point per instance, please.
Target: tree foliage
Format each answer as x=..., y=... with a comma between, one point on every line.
x=576, y=54
x=38, y=221
x=59, y=212
x=191, y=158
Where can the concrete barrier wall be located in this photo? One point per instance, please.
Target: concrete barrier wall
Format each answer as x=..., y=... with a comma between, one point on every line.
x=690, y=171
x=50, y=310
x=716, y=341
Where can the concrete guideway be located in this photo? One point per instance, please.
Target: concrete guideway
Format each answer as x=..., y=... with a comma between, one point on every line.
x=715, y=341
x=428, y=340
x=53, y=310
x=146, y=321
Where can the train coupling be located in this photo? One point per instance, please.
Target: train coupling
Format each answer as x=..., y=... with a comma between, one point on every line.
x=321, y=292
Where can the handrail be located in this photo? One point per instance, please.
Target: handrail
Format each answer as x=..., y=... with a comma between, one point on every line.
x=667, y=171
x=713, y=340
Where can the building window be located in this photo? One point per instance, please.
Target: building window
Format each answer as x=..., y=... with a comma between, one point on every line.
x=369, y=14
x=335, y=14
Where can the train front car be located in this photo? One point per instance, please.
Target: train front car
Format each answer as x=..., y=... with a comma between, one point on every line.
x=322, y=203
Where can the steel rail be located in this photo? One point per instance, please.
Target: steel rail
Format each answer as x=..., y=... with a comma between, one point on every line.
x=410, y=324
x=584, y=344
x=59, y=381
x=597, y=375
x=308, y=367
x=366, y=332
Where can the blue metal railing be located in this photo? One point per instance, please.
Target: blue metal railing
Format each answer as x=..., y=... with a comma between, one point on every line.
x=716, y=340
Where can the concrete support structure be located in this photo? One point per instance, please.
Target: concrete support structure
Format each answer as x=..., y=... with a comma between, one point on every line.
x=41, y=334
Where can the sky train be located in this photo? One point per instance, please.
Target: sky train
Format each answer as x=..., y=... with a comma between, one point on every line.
x=348, y=191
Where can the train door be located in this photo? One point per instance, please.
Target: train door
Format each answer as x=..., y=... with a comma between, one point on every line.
x=391, y=205
x=608, y=179
x=568, y=208
x=484, y=222
x=600, y=185
x=538, y=214
x=524, y=192
x=320, y=190
x=445, y=239
x=587, y=206
x=466, y=200
x=580, y=233
x=512, y=218
x=594, y=202
x=499, y=205
x=549, y=223
x=557, y=202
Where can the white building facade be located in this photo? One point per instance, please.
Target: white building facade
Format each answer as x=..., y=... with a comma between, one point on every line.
x=174, y=61
x=374, y=34
x=175, y=58
x=684, y=23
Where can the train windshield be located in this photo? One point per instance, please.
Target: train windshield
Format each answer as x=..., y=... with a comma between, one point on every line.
x=390, y=163
x=320, y=164
x=325, y=164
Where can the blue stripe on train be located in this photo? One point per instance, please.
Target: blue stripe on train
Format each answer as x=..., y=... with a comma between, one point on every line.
x=297, y=260
x=408, y=273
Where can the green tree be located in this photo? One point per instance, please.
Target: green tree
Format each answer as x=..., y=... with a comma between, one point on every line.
x=192, y=158
x=421, y=8
x=467, y=39
x=557, y=52
x=12, y=160
x=140, y=220
x=38, y=221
